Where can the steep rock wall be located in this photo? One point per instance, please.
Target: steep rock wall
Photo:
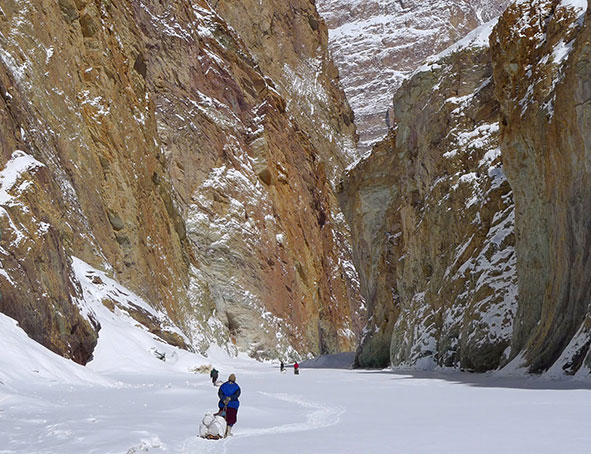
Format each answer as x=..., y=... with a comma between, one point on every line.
x=154, y=147
x=433, y=217
x=541, y=59
x=455, y=273
x=289, y=42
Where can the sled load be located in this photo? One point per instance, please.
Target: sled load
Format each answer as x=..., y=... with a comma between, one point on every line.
x=212, y=427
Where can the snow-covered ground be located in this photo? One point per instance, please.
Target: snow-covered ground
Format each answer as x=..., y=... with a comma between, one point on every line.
x=128, y=401
x=142, y=404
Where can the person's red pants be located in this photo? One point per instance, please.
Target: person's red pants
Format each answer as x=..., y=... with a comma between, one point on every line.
x=231, y=414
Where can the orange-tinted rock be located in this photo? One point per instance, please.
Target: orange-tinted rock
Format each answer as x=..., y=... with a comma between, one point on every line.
x=172, y=160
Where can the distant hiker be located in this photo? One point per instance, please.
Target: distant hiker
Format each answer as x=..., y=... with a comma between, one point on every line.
x=296, y=368
x=214, y=376
x=228, y=404
x=281, y=367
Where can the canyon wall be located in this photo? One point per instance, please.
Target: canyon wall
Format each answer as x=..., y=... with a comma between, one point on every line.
x=432, y=215
x=468, y=218
x=541, y=56
x=156, y=142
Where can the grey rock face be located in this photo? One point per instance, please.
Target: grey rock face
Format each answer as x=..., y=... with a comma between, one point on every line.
x=433, y=214
x=474, y=279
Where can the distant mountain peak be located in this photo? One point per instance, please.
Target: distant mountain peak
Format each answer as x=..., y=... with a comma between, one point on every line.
x=377, y=43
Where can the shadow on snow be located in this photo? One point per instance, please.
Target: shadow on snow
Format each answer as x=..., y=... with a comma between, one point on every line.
x=487, y=380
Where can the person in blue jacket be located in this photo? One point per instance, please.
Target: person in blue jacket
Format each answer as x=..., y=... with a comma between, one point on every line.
x=229, y=393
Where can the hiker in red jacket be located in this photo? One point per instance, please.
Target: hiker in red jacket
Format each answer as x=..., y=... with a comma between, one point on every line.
x=296, y=368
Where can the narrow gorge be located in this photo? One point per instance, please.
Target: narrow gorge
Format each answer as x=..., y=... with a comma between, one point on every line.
x=377, y=44
x=467, y=218
x=202, y=157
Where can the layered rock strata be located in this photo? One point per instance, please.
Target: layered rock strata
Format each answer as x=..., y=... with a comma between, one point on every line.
x=378, y=43
x=149, y=140
x=432, y=216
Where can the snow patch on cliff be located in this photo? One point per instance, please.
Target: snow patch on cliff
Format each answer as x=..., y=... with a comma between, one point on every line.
x=15, y=181
x=109, y=303
x=14, y=172
x=478, y=37
x=376, y=44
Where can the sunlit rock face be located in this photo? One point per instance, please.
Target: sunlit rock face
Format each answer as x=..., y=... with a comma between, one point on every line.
x=433, y=221
x=289, y=42
x=541, y=58
x=377, y=43
x=470, y=219
x=156, y=142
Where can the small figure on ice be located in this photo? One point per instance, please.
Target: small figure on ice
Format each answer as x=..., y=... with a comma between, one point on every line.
x=214, y=376
x=281, y=366
x=229, y=403
x=296, y=368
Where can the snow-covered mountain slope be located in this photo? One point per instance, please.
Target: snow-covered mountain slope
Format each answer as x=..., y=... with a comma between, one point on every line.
x=24, y=361
x=153, y=141
x=377, y=43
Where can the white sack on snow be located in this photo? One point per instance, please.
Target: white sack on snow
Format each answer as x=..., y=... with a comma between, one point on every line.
x=212, y=425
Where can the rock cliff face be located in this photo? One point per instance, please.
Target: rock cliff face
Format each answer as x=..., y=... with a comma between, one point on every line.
x=541, y=57
x=290, y=44
x=156, y=142
x=377, y=43
x=433, y=221
x=464, y=261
